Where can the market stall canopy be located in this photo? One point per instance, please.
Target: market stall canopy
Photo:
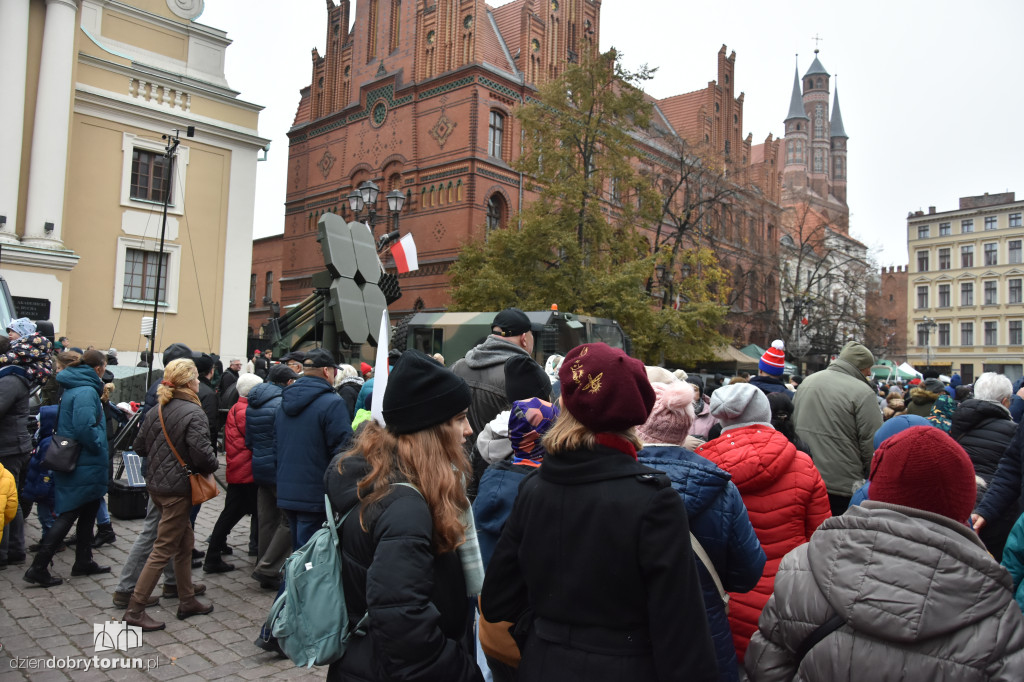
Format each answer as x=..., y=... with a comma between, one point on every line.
x=889, y=370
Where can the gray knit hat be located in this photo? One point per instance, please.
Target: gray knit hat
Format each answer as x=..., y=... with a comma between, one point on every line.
x=738, y=405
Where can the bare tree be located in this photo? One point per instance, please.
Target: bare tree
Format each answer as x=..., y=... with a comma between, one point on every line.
x=823, y=278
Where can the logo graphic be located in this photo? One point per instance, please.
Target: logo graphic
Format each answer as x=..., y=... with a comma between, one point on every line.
x=116, y=635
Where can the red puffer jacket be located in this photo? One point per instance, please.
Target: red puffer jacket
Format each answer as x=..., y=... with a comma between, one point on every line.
x=239, y=457
x=785, y=499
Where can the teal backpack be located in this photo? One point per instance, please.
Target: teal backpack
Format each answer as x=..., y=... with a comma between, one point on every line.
x=310, y=619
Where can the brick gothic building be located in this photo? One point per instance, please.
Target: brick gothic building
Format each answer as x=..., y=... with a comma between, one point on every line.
x=418, y=97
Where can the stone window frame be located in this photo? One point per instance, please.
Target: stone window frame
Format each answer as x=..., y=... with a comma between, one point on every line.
x=173, y=252
x=129, y=143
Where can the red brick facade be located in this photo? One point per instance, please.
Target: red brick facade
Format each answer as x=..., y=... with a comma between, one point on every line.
x=887, y=314
x=266, y=265
x=410, y=99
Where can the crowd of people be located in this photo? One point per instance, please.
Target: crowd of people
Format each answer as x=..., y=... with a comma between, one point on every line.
x=589, y=519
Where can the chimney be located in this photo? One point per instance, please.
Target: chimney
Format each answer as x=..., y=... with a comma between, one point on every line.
x=931, y=210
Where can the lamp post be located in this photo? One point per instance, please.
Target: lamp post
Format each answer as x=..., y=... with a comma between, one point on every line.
x=929, y=324
x=366, y=197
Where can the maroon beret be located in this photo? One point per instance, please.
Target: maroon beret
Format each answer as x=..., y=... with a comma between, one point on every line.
x=922, y=467
x=605, y=389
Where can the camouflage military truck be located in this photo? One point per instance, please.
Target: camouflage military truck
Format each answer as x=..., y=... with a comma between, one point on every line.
x=453, y=334
x=343, y=312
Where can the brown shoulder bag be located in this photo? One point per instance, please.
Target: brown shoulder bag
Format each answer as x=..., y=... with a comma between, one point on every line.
x=204, y=486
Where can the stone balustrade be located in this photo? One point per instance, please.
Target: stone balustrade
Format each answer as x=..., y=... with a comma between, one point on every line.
x=161, y=95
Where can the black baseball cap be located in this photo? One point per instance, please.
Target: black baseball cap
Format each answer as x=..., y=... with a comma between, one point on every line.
x=318, y=357
x=296, y=355
x=511, y=322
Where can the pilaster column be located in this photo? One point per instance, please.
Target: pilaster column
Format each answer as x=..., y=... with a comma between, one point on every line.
x=13, y=58
x=49, y=161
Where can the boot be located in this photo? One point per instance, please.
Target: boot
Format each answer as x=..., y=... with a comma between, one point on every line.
x=91, y=568
x=122, y=599
x=104, y=536
x=215, y=564
x=193, y=607
x=136, y=615
x=71, y=540
x=38, y=574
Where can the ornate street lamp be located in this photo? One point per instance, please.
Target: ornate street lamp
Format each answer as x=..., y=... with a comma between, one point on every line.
x=365, y=197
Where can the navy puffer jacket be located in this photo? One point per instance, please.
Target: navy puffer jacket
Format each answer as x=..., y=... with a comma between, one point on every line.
x=719, y=521
x=312, y=426
x=264, y=401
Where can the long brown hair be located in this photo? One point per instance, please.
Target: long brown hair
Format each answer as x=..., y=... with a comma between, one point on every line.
x=431, y=459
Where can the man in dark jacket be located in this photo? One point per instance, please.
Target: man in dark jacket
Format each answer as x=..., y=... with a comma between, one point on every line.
x=769, y=370
x=983, y=427
x=208, y=396
x=311, y=427
x=483, y=369
x=274, y=538
x=227, y=396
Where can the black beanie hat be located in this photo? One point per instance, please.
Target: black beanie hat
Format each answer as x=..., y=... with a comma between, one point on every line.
x=422, y=393
x=525, y=379
x=177, y=351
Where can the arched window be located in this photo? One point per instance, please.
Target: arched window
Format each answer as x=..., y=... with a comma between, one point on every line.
x=495, y=212
x=495, y=134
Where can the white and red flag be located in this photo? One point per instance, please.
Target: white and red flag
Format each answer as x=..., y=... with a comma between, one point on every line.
x=404, y=253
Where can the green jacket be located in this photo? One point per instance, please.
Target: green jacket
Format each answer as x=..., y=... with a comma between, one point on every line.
x=836, y=414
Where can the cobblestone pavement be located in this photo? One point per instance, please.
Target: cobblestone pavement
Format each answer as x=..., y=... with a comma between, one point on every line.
x=49, y=626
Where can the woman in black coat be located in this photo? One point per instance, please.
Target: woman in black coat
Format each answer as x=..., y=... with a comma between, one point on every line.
x=406, y=541
x=594, y=565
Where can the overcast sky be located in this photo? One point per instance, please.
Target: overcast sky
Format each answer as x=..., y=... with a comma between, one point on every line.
x=931, y=92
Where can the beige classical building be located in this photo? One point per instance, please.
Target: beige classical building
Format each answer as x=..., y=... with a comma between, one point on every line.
x=965, y=291
x=90, y=89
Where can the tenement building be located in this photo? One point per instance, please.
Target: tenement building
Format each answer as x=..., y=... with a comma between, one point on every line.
x=90, y=90
x=965, y=290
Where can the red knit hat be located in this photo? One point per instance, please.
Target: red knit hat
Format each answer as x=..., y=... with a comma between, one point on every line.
x=922, y=467
x=774, y=359
x=605, y=389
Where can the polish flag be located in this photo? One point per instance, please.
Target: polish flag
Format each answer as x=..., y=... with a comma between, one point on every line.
x=404, y=253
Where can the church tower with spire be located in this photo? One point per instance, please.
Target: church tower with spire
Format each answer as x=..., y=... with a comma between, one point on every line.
x=797, y=148
x=838, y=148
x=816, y=89
x=814, y=164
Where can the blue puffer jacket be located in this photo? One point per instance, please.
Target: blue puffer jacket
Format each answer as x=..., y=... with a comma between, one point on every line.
x=264, y=400
x=494, y=498
x=312, y=426
x=81, y=417
x=38, y=479
x=719, y=520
